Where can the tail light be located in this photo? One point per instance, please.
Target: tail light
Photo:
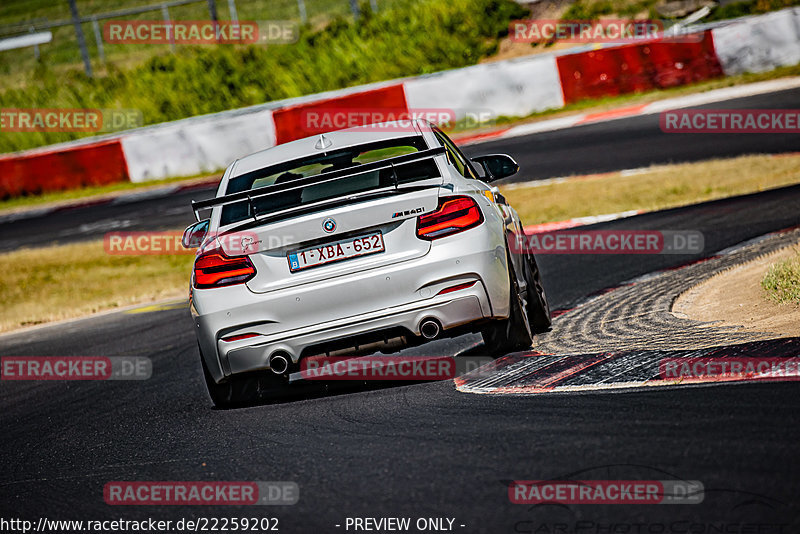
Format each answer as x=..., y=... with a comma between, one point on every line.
x=453, y=215
x=214, y=269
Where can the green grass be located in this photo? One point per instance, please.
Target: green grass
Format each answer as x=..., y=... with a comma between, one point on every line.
x=415, y=37
x=782, y=281
x=64, y=51
x=594, y=9
x=749, y=7
x=404, y=38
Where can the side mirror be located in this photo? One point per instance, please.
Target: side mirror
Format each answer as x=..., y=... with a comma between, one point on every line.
x=194, y=234
x=497, y=166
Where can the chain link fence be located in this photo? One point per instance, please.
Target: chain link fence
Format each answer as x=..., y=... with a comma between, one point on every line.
x=75, y=27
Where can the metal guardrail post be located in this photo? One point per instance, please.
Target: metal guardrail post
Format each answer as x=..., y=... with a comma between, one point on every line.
x=212, y=10
x=98, y=37
x=76, y=21
x=301, y=5
x=36, y=53
x=354, y=8
x=165, y=14
x=232, y=10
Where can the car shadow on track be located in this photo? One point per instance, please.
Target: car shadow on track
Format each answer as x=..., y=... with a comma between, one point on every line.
x=315, y=389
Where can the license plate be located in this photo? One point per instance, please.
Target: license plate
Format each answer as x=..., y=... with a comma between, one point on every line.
x=333, y=252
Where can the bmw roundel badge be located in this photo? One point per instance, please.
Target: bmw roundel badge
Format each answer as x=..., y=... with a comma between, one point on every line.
x=329, y=225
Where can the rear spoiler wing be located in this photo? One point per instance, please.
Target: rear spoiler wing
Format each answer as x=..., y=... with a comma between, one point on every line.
x=262, y=192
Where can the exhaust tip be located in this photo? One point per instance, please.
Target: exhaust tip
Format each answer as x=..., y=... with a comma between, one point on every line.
x=429, y=328
x=279, y=362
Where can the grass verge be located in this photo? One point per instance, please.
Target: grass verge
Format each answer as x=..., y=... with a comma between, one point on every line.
x=654, y=188
x=65, y=281
x=735, y=298
x=782, y=281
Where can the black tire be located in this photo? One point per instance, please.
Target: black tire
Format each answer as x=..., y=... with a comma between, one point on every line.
x=244, y=390
x=514, y=333
x=538, y=307
x=233, y=392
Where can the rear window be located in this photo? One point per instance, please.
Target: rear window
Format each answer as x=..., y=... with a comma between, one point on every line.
x=319, y=165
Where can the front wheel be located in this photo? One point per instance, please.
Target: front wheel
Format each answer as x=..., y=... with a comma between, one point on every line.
x=538, y=307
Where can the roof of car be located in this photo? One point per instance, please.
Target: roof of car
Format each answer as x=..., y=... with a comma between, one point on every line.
x=333, y=140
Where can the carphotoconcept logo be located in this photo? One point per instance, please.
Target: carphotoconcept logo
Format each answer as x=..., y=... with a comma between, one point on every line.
x=76, y=368
x=730, y=121
x=610, y=242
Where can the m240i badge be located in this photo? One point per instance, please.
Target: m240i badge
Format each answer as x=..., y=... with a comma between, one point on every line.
x=408, y=212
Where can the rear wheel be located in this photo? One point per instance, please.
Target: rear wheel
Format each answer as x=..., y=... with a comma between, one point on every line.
x=243, y=390
x=514, y=333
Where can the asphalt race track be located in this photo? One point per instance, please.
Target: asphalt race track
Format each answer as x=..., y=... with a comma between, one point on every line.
x=423, y=450
x=593, y=148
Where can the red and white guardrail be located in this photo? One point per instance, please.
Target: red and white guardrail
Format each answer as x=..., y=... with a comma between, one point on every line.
x=515, y=87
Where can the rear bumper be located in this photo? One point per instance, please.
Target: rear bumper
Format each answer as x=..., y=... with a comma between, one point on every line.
x=451, y=313
x=399, y=295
